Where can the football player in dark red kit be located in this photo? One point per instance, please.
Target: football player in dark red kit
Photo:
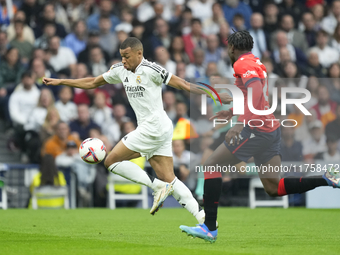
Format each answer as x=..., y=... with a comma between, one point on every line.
x=259, y=138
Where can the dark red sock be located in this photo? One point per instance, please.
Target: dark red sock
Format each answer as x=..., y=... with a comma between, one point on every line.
x=212, y=192
x=293, y=185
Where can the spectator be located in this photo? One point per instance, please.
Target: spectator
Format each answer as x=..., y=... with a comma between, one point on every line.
x=48, y=175
x=69, y=12
x=76, y=41
x=57, y=144
x=335, y=42
x=48, y=15
x=332, y=154
x=126, y=15
x=330, y=22
x=23, y=101
x=48, y=32
x=182, y=158
x=213, y=53
x=122, y=30
x=258, y=34
x=296, y=55
x=61, y=57
x=38, y=114
x=49, y=126
x=181, y=112
x=195, y=39
x=21, y=104
x=313, y=87
x=327, y=54
x=181, y=70
x=66, y=108
x=3, y=44
x=81, y=126
x=32, y=10
x=271, y=20
x=223, y=34
x=112, y=128
x=100, y=112
x=86, y=173
x=177, y=52
x=10, y=69
x=295, y=79
x=169, y=101
x=314, y=68
x=150, y=22
x=233, y=7
x=309, y=23
x=27, y=34
x=105, y=9
x=325, y=108
x=314, y=147
x=93, y=41
x=333, y=84
x=40, y=71
x=162, y=58
x=97, y=63
x=212, y=25
x=5, y=17
x=238, y=22
x=292, y=8
x=295, y=37
x=318, y=11
x=25, y=48
x=32, y=143
x=197, y=69
x=107, y=38
x=161, y=35
x=291, y=150
x=201, y=9
x=333, y=127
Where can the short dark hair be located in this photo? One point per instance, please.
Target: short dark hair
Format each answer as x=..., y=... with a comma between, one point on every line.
x=195, y=20
x=27, y=74
x=132, y=42
x=241, y=40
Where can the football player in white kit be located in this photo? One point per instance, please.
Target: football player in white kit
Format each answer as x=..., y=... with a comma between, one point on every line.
x=152, y=139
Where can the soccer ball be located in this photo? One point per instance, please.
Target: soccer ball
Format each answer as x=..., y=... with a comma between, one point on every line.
x=92, y=150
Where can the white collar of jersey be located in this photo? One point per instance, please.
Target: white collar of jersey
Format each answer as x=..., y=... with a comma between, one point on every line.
x=139, y=64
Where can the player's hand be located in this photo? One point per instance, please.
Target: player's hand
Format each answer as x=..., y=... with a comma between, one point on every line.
x=222, y=115
x=233, y=135
x=226, y=98
x=50, y=81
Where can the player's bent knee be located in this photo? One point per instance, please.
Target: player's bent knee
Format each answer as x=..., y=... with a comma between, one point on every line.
x=109, y=161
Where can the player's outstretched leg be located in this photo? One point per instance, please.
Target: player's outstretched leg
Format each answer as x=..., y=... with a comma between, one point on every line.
x=274, y=186
x=212, y=192
x=117, y=162
x=163, y=167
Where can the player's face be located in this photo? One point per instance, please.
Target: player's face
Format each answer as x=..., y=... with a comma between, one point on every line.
x=231, y=54
x=130, y=58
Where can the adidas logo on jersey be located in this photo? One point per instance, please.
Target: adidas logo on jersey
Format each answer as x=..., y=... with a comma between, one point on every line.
x=126, y=79
x=251, y=136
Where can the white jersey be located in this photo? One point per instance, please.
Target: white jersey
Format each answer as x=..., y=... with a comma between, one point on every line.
x=144, y=91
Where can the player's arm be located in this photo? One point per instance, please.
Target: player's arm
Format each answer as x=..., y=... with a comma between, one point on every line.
x=84, y=83
x=181, y=84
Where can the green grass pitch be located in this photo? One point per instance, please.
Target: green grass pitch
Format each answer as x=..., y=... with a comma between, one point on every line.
x=135, y=231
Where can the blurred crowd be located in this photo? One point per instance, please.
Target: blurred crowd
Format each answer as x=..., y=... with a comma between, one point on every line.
x=298, y=41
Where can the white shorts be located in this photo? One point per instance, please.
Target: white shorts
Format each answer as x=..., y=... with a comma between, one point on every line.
x=148, y=145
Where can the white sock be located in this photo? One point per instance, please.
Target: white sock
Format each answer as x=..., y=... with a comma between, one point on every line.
x=183, y=195
x=134, y=173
